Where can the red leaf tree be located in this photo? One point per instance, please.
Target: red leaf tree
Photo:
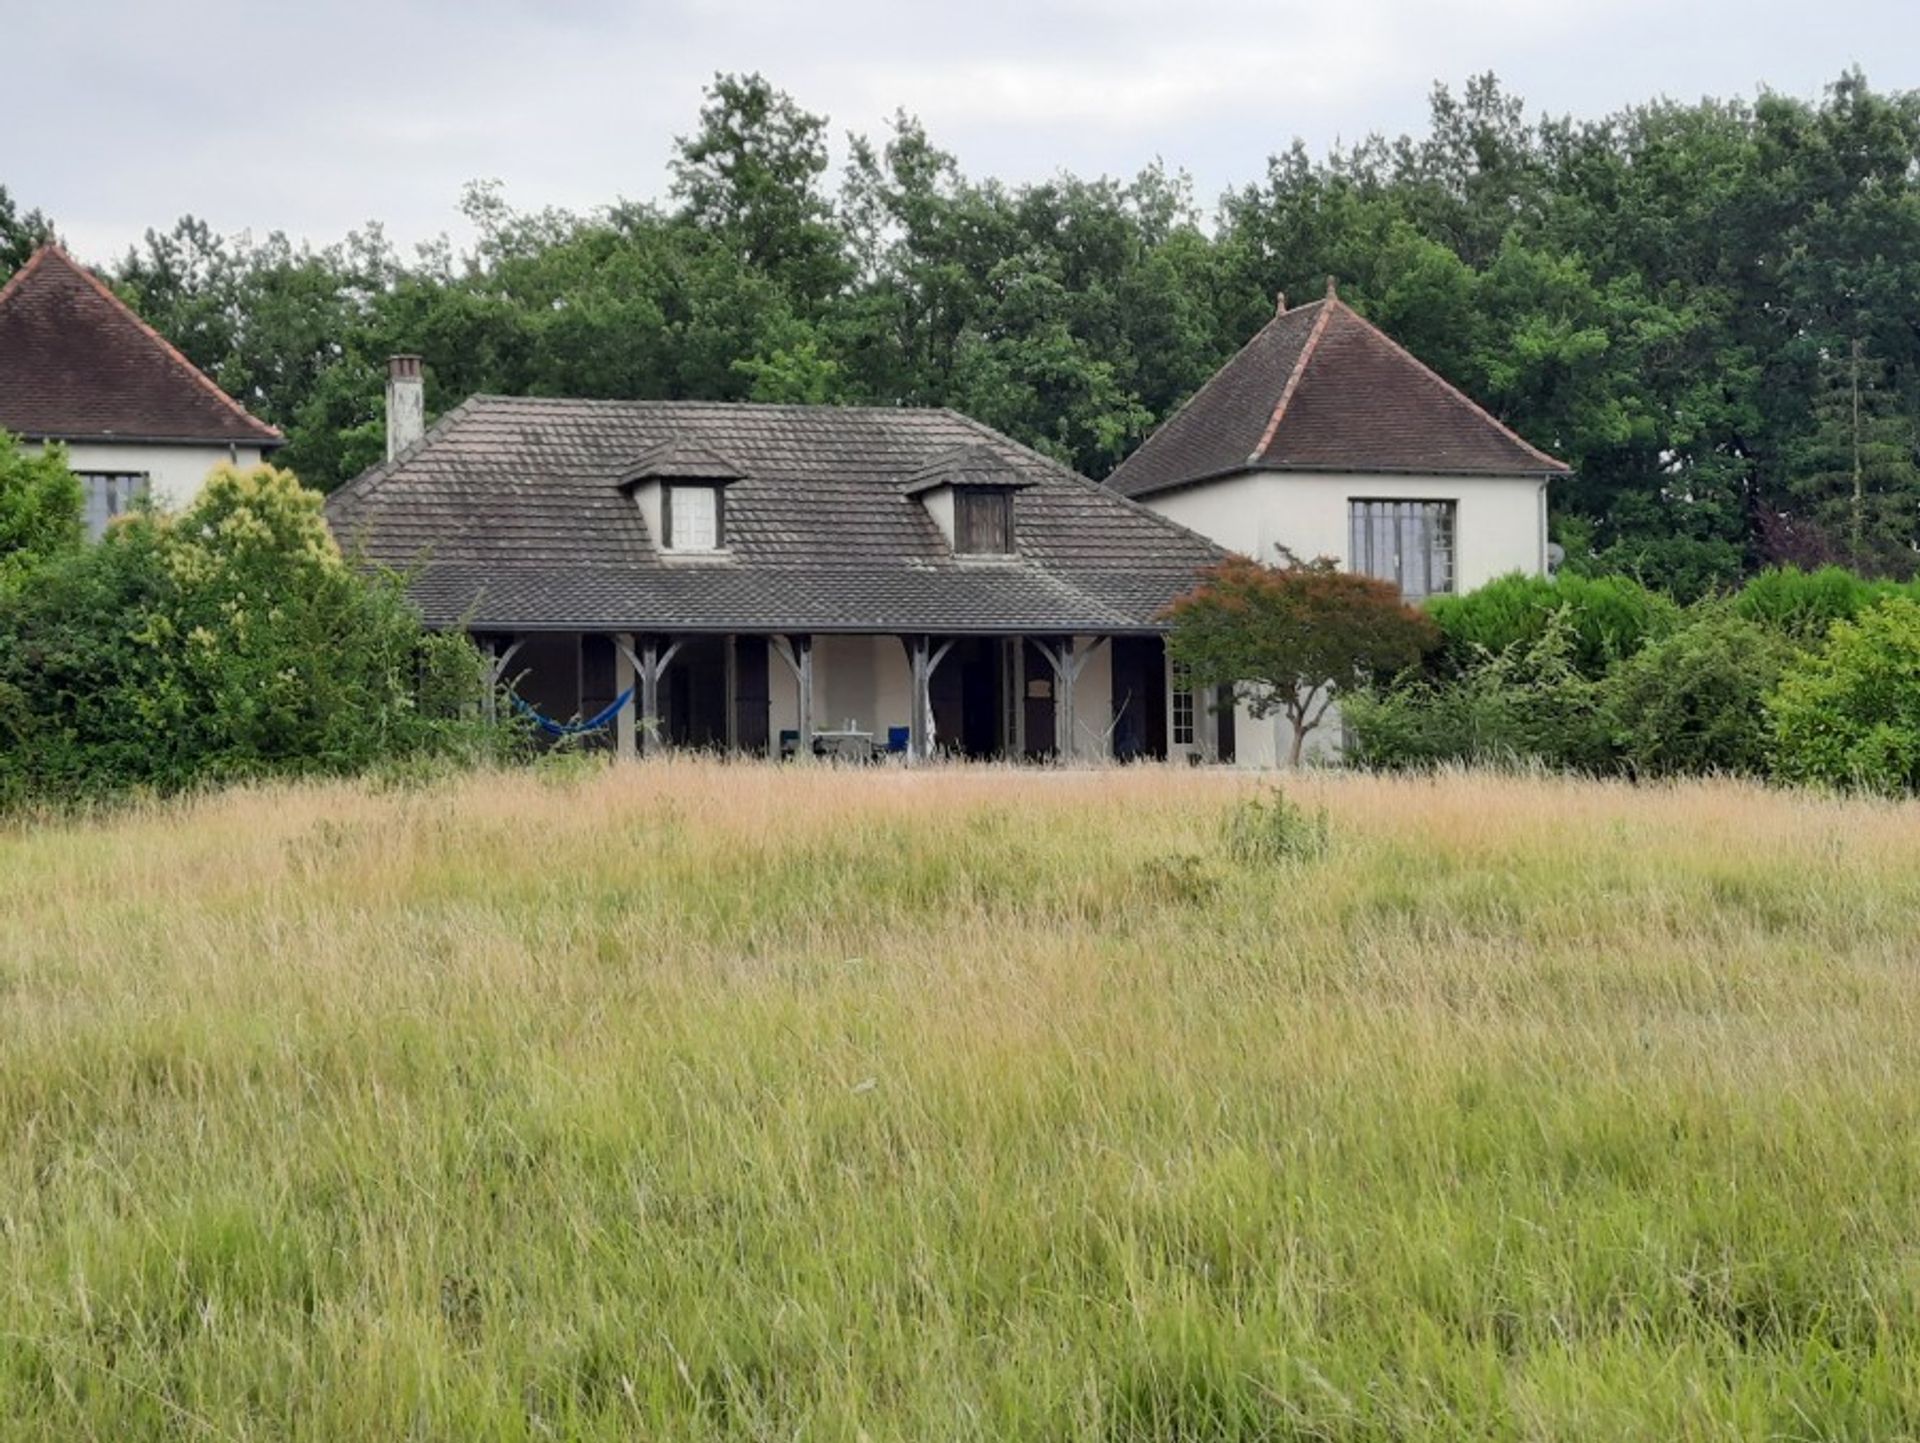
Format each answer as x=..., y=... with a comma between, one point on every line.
x=1292, y=638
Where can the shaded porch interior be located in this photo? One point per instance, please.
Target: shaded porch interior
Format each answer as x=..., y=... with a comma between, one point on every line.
x=914, y=697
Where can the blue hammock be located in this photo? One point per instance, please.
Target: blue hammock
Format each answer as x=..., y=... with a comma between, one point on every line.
x=573, y=729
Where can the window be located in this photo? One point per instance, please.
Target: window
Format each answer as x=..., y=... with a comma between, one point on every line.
x=110, y=494
x=1182, y=706
x=982, y=521
x=1409, y=543
x=690, y=516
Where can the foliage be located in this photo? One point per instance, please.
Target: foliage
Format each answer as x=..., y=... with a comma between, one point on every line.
x=231, y=642
x=1694, y=703
x=1804, y=604
x=1857, y=465
x=40, y=508
x=1848, y=715
x=1527, y=704
x=20, y=235
x=1294, y=638
x=1606, y=617
x=1671, y=298
x=1274, y=829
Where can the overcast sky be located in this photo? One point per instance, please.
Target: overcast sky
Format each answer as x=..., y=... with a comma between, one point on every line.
x=314, y=119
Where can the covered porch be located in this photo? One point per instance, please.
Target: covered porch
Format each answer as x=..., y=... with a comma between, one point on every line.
x=911, y=697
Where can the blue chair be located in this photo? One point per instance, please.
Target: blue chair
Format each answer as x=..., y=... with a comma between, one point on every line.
x=898, y=739
x=789, y=741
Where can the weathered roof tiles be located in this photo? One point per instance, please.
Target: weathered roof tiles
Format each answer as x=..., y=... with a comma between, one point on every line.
x=510, y=515
x=1320, y=388
x=77, y=365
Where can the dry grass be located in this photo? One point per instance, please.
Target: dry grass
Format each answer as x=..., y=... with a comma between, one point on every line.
x=707, y=1101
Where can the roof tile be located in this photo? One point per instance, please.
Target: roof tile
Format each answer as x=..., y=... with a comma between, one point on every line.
x=77, y=364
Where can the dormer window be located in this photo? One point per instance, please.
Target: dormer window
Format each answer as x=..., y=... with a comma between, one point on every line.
x=982, y=521
x=968, y=493
x=681, y=490
x=691, y=518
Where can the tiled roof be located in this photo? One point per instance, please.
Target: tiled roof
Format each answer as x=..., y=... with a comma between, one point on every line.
x=1320, y=388
x=975, y=464
x=509, y=515
x=77, y=364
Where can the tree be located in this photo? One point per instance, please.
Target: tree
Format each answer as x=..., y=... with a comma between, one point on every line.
x=750, y=176
x=20, y=235
x=1294, y=638
x=1856, y=474
x=40, y=508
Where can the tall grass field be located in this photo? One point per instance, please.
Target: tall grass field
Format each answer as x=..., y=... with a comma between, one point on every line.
x=692, y=1101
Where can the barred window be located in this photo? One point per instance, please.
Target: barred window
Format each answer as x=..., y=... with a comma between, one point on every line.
x=110, y=494
x=1182, y=706
x=1409, y=543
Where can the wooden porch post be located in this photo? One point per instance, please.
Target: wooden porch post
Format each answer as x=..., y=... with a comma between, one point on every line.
x=625, y=678
x=649, y=665
x=923, y=659
x=496, y=670
x=649, y=695
x=1068, y=660
x=732, y=664
x=797, y=652
x=803, y=656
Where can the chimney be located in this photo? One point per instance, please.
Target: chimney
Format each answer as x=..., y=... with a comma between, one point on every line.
x=406, y=404
x=1279, y=303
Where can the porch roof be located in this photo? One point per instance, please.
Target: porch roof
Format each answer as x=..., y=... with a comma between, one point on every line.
x=509, y=515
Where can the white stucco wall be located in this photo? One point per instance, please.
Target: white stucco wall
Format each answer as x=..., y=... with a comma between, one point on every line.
x=1500, y=524
x=174, y=473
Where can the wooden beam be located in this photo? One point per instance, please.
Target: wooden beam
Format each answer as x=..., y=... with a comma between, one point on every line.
x=496, y=671
x=803, y=665
x=625, y=678
x=649, y=664
x=649, y=695
x=1068, y=660
x=730, y=665
x=919, y=704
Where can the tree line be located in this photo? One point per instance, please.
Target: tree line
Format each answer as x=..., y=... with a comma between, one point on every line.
x=1711, y=310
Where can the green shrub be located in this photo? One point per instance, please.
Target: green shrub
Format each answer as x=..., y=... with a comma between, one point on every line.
x=232, y=642
x=1528, y=703
x=1275, y=828
x=1804, y=604
x=1608, y=617
x=40, y=509
x=1694, y=702
x=1848, y=715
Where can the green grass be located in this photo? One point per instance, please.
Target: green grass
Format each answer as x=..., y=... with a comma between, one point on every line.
x=694, y=1101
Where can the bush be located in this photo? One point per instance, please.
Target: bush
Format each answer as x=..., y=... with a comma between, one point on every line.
x=40, y=502
x=1275, y=828
x=229, y=643
x=1608, y=617
x=1848, y=715
x=1528, y=703
x=1695, y=701
x=1805, y=604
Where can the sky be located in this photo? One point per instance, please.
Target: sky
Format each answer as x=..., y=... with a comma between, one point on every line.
x=257, y=115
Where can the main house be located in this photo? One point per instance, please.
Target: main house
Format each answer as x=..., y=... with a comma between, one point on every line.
x=773, y=579
x=136, y=417
x=1324, y=437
